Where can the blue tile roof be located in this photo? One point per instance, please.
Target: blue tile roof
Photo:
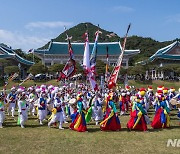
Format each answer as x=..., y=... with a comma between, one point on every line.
x=163, y=53
x=9, y=53
x=114, y=48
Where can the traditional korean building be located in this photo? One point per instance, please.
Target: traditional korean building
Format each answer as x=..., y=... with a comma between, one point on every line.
x=15, y=59
x=58, y=53
x=164, y=56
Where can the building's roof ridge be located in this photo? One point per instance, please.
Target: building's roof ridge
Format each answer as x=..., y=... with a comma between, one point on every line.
x=13, y=55
x=79, y=43
x=163, y=50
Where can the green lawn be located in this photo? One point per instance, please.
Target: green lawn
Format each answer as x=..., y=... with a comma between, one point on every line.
x=155, y=83
x=41, y=139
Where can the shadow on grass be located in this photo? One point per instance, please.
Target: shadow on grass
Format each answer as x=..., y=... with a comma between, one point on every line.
x=9, y=125
x=91, y=123
x=155, y=130
x=93, y=130
x=173, y=114
x=161, y=129
x=174, y=118
x=173, y=127
x=35, y=126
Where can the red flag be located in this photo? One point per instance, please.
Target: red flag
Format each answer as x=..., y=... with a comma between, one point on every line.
x=115, y=72
x=70, y=67
x=86, y=64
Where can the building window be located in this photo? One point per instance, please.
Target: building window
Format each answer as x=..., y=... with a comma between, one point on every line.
x=48, y=64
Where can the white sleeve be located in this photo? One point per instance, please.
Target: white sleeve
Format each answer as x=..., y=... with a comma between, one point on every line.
x=167, y=103
x=154, y=102
x=19, y=106
x=176, y=96
x=38, y=102
x=55, y=101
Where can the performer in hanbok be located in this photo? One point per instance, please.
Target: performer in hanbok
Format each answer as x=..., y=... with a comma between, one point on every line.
x=79, y=122
x=22, y=109
x=31, y=100
x=128, y=100
x=123, y=103
x=177, y=97
x=166, y=97
x=57, y=112
x=150, y=95
x=12, y=98
x=143, y=98
x=42, y=108
x=161, y=118
x=73, y=107
x=137, y=116
x=172, y=94
x=2, y=105
x=111, y=120
x=97, y=103
x=63, y=101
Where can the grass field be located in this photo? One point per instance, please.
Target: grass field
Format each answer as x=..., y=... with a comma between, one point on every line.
x=155, y=83
x=41, y=139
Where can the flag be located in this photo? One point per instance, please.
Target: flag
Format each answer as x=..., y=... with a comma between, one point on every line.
x=115, y=72
x=27, y=78
x=70, y=67
x=86, y=61
x=107, y=66
x=94, y=52
x=93, y=59
x=12, y=77
x=19, y=66
x=30, y=50
x=89, y=69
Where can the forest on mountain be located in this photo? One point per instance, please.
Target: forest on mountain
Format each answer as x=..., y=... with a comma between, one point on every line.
x=147, y=45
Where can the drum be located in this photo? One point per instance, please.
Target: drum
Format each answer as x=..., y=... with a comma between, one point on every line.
x=173, y=101
x=50, y=107
x=178, y=105
x=72, y=101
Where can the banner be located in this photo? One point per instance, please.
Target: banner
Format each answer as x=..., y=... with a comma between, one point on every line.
x=115, y=72
x=27, y=78
x=107, y=74
x=70, y=67
x=89, y=69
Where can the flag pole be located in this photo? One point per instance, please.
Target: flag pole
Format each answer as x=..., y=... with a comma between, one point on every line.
x=33, y=56
x=115, y=72
x=70, y=66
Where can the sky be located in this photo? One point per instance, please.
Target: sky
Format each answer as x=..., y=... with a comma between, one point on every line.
x=29, y=24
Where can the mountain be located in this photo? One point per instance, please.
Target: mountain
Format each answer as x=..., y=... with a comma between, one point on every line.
x=147, y=46
x=78, y=31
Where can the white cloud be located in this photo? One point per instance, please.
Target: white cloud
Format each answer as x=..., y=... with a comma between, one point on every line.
x=123, y=9
x=173, y=18
x=17, y=40
x=54, y=24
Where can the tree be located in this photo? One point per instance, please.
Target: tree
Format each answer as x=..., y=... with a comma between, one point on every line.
x=79, y=68
x=56, y=68
x=11, y=69
x=3, y=63
x=123, y=71
x=178, y=71
x=138, y=69
x=37, y=69
x=100, y=67
x=27, y=56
